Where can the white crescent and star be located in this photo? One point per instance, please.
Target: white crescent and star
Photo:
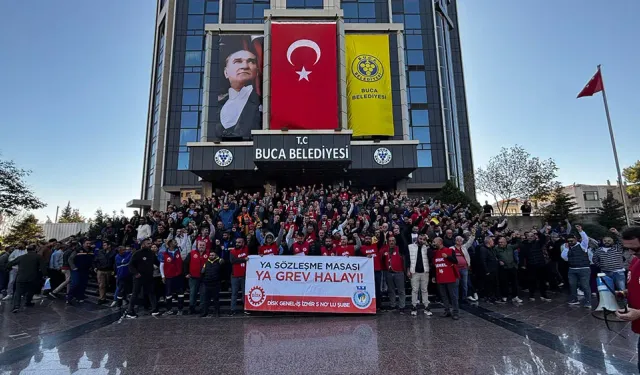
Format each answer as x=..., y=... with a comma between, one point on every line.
x=304, y=73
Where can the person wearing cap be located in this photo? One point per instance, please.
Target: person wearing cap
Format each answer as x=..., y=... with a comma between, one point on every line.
x=240, y=107
x=103, y=262
x=578, y=255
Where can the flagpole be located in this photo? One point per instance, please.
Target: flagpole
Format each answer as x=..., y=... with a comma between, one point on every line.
x=615, y=151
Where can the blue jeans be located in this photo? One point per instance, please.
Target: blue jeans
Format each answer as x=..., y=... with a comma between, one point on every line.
x=619, y=280
x=580, y=277
x=194, y=288
x=237, y=284
x=4, y=278
x=79, y=282
x=464, y=281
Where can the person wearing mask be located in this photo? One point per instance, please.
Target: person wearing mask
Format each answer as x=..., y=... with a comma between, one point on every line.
x=370, y=250
x=13, y=273
x=631, y=241
x=80, y=265
x=211, y=277
x=507, y=256
x=239, y=257
x=577, y=255
x=444, y=260
x=418, y=273
x=609, y=257
x=171, y=270
x=488, y=270
x=31, y=269
x=103, y=261
x=193, y=264
x=395, y=264
x=123, y=278
x=461, y=249
x=532, y=261
x=141, y=268
x=4, y=273
x=70, y=251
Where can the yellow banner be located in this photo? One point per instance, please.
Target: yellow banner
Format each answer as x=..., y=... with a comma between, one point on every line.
x=369, y=105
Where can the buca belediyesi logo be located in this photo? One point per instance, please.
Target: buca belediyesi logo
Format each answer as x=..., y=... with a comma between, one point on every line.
x=367, y=68
x=361, y=298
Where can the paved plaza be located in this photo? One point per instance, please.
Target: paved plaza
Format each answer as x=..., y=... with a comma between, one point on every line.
x=534, y=338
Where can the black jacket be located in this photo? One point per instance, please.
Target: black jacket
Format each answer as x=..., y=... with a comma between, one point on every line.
x=30, y=267
x=211, y=272
x=488, y=260
x=142, y=262
x=531, y=253
x=104, y=261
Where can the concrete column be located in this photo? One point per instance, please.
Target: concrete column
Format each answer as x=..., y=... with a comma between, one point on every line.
x=207, y=189
x=266, y=73
x=403, y=86
x=206, y=77
x=342, y=73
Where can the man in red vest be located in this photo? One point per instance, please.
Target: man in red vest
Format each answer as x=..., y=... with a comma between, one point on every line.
x=444, y=259
x=370, y=250
x=346, y=250
x=239, y=258
x=171, y=271
x=300, y=247
x=395, y=261
x=193, y=269
x=327, y=249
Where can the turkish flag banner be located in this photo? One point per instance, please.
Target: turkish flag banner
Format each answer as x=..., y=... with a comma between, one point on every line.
x=304, y=75
x=593, y=86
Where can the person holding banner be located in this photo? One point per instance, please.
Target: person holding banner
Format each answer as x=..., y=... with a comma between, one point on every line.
x=346, y=250
x=328, y=248
x=370, y=250
x=239, y=258
x=269, y=247
x=447, y=276
x=395, y=275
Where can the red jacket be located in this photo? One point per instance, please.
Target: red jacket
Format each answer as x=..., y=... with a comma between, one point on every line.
x=393, y=257
x=196, y=262
x=239, y=269
x=268, y=249
x=373, y=251
x=327, y=252
x=444, y=268
x=172, y=263
x=348, y=250
x=633, y=290
x=302, y=248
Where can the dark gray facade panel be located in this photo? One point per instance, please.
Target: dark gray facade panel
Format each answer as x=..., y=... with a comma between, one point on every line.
x=203, y=158
x=363, y=157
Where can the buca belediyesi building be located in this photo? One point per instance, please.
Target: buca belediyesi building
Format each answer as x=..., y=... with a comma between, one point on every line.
x=253, y=94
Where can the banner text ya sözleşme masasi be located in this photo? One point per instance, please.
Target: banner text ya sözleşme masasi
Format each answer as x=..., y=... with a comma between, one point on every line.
x=310, y=284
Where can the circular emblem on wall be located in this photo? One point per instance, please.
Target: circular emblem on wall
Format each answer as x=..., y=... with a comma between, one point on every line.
x=256, y=296
x=223, y=157
x=367, y=68
x=382, y=156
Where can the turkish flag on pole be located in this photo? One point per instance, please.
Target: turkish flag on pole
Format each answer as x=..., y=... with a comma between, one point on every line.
x=593, y=86
x=304, y=76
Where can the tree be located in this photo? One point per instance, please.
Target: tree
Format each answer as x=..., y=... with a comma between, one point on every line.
x=7, y=223
x=15, y=195
x=632, y=177
x=561, y=207
x=612, y=214
x=97, y=223
x=70, y=215
x=452, y=195
x=513, y=174
x=26, y=230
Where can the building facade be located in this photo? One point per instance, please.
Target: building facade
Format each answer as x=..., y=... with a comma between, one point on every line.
x=430, y=141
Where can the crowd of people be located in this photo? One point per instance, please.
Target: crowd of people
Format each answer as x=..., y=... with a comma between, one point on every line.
x=442, y=250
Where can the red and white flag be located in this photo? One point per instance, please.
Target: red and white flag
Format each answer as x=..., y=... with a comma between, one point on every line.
x=593, y=86
x=304, y=76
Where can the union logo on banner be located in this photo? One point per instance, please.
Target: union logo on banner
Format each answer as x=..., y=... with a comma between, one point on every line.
x=256, y=296
x=367, y=68
x=361, y=298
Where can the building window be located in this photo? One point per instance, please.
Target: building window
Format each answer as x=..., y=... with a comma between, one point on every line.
x=213, y=7
x=419, y=117
x=304, y=4
x=412, y=21
x=194, y=43
x=421, y=134
x=424, y=158
x=195, y=22
x=417, y=95
x=183, y=161
x=188, y=135
x=193, y=58
x=191, y=81
x=413, y=41
x=196, y=6
x=591, y=196
x=412, y=6
x=415, y=57
x=359, y=11
x=189, y=120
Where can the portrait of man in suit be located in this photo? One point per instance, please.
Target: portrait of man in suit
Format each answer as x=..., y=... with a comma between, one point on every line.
x=240, y=97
